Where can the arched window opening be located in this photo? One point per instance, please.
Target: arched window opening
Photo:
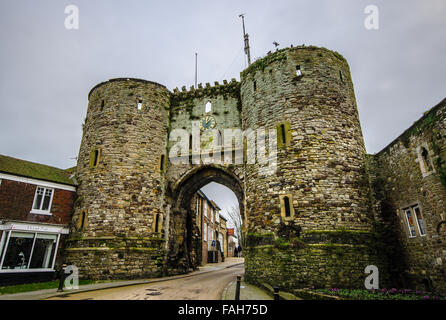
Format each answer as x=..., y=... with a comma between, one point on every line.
x=208, y=107
x=298, y=71
x=139, y=105
x=426, y=159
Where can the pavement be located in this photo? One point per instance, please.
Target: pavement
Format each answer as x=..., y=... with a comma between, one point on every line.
x=247, y=292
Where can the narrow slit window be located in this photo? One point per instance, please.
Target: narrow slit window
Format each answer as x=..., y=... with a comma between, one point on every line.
x=96, y=158
x=286, y=202
x=102, y=105
x=82, y=220
x=208, y=107
x=341, y=77
x=298, y=71
x=255, y=86
x=157, y=220
x=283, y=133
x=139, y=104
x=162, y=162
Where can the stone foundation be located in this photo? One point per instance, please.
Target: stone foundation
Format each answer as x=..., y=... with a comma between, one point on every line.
x=322, y=259
x=116, y=257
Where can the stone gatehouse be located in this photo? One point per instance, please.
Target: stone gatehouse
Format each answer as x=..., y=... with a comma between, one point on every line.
x=326, y=213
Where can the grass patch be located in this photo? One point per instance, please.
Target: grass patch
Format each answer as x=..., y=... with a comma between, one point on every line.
x=38, y=286
x=380, y=294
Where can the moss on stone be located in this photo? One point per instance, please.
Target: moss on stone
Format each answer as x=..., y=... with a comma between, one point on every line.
x=34, y=170
x=262, y=63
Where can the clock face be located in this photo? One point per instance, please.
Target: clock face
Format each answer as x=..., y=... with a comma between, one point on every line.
x=208, y=122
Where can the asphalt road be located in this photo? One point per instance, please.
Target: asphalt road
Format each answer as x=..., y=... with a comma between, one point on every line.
x=206, y=286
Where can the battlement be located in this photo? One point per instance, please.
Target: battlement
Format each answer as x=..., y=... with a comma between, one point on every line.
x=123, y=79
x=207, y=90
x=281, y=54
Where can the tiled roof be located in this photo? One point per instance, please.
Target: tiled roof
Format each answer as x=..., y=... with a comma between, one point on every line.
x=34, y=170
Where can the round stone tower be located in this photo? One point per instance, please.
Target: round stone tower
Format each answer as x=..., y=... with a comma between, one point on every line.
x=117, y=225
x=309, y=220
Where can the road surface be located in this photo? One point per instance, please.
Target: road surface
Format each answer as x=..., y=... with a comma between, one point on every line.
x=206, y=286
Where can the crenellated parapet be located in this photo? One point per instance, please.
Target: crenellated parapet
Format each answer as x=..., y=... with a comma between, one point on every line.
x=231, y=88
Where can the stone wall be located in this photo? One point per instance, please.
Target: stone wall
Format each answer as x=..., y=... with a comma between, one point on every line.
x=321, y=167
x=406, y=177
x=183, y=180
x=116, y=257
x=120, y=181
x=321, y=188
x=332, y=259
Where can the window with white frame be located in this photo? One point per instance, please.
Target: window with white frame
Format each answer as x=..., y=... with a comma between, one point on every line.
x=414, y=220
x=206, y=208
x=42, y=200
x=217, y=217
x=205, y=232
x=420, y=220
x=197, y=206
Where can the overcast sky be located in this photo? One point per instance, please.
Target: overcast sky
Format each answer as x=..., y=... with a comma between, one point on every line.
x=399, y=70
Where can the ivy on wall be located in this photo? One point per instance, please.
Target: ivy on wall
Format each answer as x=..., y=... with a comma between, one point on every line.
x=439, y=161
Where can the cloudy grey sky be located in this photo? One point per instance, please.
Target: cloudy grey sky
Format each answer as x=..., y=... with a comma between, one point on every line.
x=47, y=71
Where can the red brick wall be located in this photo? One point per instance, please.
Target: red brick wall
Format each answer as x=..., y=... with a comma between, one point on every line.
x=16, y=200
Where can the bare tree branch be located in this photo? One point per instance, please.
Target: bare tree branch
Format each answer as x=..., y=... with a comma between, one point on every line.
x=237, y=221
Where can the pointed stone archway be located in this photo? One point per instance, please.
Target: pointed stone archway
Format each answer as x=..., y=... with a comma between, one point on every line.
x=184, y=237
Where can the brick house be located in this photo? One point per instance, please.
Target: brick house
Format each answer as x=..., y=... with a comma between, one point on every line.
x=212, y=226
x=36, y=202
x=231, y=242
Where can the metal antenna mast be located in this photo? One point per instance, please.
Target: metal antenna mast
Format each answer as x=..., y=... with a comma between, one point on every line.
x=246, y=38
x=196, y=70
